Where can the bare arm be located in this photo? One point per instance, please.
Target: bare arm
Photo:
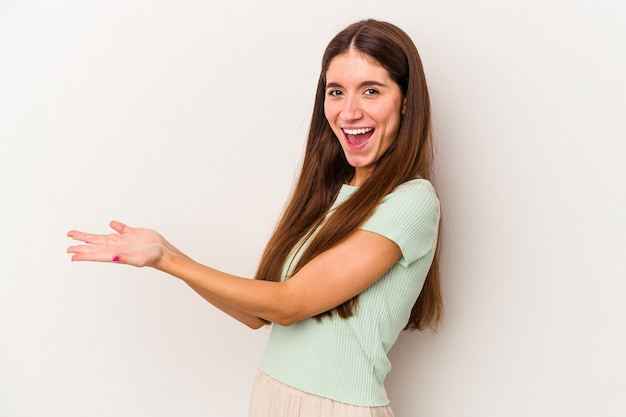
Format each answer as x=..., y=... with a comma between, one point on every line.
x=249, y=320
x=330, y=279
x=138, y=247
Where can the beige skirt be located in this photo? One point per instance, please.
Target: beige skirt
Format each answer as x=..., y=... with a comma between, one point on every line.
x=272, y=398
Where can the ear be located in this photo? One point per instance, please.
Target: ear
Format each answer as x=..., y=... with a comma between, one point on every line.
x=403, y=106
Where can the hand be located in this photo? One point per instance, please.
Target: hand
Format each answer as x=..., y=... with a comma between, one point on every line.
x=132, y=246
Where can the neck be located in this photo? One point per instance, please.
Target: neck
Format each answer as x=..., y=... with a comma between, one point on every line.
x=358, y=178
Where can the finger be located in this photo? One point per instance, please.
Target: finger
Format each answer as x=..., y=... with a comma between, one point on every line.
x=82, y=236
x=87, y=249
x=90, y=253
x=78, y=257
x=119, y=227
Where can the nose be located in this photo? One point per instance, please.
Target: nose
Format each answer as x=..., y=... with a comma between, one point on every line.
x=351, y=109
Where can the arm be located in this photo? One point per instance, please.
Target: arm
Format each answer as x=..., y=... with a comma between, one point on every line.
x=138, y=247
x=249, y=320
x=330, y=279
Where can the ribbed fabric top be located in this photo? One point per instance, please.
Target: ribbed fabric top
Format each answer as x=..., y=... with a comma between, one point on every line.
x=346, y=359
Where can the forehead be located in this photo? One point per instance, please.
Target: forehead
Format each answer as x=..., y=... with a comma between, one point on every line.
x=353, y=64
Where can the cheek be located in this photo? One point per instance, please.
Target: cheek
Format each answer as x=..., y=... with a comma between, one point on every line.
x=328, y=113
x=390, y=116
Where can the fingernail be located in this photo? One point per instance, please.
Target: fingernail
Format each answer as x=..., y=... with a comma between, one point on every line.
x=116, y=259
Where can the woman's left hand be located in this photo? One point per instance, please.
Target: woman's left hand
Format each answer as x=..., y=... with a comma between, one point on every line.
x=129, y=245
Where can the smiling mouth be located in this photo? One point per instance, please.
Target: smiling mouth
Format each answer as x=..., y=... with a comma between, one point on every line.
x=358, y=137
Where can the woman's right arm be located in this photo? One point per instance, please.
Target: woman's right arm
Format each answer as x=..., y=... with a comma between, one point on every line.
x=249, y=320
x=147, y=243
x=325, y=282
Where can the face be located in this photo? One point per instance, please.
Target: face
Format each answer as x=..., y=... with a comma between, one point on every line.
x=363, y=106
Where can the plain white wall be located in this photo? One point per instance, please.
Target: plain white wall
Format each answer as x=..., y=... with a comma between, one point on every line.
x=189, y=117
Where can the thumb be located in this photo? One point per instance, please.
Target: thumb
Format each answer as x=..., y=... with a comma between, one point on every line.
x=119, y=227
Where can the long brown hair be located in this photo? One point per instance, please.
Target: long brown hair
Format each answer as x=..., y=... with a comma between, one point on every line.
x=325, y=168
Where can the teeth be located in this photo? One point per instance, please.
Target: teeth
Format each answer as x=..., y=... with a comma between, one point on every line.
x=358, y=131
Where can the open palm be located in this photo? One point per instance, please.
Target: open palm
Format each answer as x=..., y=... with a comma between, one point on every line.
x=129, y=245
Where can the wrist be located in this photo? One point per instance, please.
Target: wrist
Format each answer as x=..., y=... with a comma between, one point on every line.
x=170, y=257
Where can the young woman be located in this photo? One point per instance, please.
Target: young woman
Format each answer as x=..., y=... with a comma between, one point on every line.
x=353, y=260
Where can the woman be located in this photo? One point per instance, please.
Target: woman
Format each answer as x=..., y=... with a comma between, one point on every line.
x=353, y=259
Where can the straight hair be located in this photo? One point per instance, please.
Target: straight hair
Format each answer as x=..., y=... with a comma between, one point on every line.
x=325, y=169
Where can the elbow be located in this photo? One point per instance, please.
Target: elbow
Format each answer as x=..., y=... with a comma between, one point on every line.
x=289, y=309
x=257, y=324
x=286, y=321
x=283, y=320
x=288, y=316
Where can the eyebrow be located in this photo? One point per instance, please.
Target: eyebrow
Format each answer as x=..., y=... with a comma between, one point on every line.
x=361, y=85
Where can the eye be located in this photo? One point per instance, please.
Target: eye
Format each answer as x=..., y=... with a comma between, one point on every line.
x=334, y=93
x=371, y=91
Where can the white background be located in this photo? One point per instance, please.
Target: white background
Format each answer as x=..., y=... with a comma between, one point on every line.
x=190, y=117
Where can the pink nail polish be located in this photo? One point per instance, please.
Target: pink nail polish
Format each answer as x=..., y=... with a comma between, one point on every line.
x=116, y=259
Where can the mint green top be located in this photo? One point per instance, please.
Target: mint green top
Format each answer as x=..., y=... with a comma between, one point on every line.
x=346, y=359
